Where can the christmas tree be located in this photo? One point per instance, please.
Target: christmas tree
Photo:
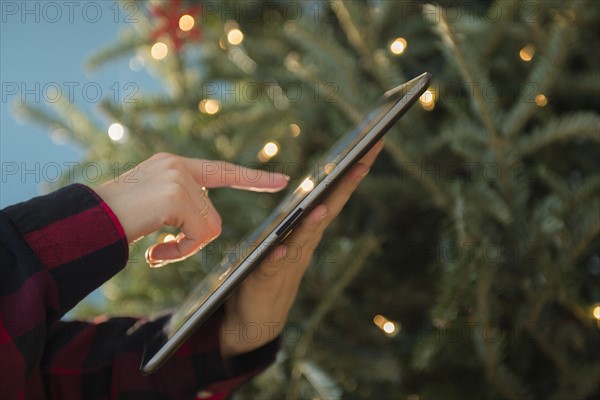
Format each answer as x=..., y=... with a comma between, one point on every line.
x=467, y=266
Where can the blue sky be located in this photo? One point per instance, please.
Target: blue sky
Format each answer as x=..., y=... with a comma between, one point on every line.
x=44, y=46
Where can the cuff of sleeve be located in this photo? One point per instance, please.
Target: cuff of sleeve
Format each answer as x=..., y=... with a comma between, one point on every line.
x=234, y=372
x=75, y=236
x=216, y=377
x=242, y=368
x=204, y=345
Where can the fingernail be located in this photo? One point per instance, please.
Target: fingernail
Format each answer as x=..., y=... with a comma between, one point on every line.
x=361, y=176
x=157, y=264
x=324, y=212
x=154, y=263
x=286, y=177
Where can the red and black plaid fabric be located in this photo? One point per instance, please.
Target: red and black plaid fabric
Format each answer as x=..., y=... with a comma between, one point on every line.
x=56, y=249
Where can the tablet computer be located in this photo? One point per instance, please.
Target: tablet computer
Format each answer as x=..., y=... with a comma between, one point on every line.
x=225, y=277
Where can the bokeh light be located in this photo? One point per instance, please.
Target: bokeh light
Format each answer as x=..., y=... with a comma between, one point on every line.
x=541, y=100
x=527, y=53
x=307, y=185
x=159, y=51
x=209, y=106
x=235, y=36
x=398, y=46
x=271, y=149
x=427, y=100
x=186, y=22
x=116, y=131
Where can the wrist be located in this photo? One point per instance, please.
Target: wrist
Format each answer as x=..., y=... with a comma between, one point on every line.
x=238, y=338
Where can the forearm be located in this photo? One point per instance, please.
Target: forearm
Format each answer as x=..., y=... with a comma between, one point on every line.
x=95, y=360
x=77, y=240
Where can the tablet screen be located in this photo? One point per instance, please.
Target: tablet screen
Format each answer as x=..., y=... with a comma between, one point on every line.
x=238, y=263
x=325, y=166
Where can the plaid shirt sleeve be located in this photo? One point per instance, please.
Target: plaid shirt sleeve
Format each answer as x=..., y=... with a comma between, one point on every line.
x=56, y=249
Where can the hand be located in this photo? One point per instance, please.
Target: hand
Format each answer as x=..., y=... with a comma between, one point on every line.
x=167, y=190
x=264, y=299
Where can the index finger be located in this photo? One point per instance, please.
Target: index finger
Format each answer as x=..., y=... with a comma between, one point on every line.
x=214, y=174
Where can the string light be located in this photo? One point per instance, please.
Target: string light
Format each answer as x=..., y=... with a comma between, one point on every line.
x=235, y=36
x=329, y=167
x=307, y=185
x=541, y=100
x=268, y=151
x=596, y=312
x=116, y=131
x=389, y=327
x=271, y=149
x=295, y=129
x=186, y=22
x=209, y=106
x=398, y=46
x=159, y=50
x=527, y=53
x=427, y=100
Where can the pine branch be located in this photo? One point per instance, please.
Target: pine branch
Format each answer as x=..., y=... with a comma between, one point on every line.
x=490, y=202
x=439, y=198
x=583, y=125
x=353, y=33
x=498, y=33
x=585, y=83
x=379, y=65
x=554, y=182
x=354, y=261
x=542, y=77
x=587, y=188
x=319, y=43
x=79, y=127
x=587, y=231
x=497, y=373
x=468, y=68
x=127, y=46
x=320, y=380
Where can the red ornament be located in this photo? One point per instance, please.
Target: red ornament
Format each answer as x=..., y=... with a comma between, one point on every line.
x=170, y=14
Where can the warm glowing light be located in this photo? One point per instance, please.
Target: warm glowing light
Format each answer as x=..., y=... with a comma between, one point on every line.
x=209, y=106
x=329, y=167
x=295, y=130
x=398, y=46
x=186, y=22
x=235, y=36
x=159, y=50
x=116, y=131
x=389, y=327
x=596, y=313
x=307, y=185
x=169, y=238
x=427, y=100
x=541, y=100
x=271, y=149
x=527, y=53
x=268, y=151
